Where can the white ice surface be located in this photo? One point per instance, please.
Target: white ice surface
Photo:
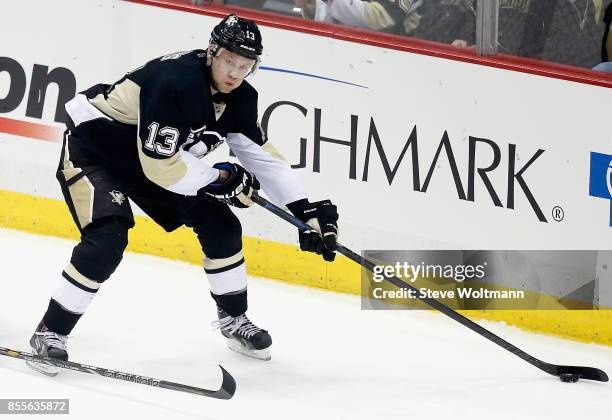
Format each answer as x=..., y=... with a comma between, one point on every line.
x=330, y=359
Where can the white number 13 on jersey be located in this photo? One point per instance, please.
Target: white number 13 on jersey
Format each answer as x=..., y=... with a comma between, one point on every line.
x=167, y=145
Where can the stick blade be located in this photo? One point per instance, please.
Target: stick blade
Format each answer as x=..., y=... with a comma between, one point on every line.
x=582, y=372
x=225, y=392
x=228, y=386
x=589, y=373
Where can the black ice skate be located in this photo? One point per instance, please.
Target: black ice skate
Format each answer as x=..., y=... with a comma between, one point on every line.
x=48, y=344
x=243, y=336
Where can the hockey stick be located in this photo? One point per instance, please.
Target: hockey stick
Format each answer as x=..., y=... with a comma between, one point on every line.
x=565, y=373
x=227, y=390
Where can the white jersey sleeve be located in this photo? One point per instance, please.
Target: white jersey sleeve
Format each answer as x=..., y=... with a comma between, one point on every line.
x=276, y=176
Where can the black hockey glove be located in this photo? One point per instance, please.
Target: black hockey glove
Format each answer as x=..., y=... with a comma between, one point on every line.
x=322, y=216
x=237, y=189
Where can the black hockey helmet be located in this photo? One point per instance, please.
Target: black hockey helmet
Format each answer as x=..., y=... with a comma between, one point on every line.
x=238, y=35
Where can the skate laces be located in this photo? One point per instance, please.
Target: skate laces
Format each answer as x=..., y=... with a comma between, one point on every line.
x=221, y=323
x=52, y=339
x=241, y=325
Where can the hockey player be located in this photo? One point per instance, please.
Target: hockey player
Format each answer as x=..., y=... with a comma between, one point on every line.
x=142, y=138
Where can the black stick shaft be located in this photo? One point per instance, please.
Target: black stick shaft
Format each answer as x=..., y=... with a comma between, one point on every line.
x=556, y=370
x=228, y=386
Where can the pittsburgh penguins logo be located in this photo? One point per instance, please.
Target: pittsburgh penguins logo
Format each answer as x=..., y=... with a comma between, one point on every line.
x=201, y=142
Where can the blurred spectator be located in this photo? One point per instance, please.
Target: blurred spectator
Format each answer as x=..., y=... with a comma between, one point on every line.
x=251, y=4
x=574, y=33
x=284, y=7
x=606, y=44
x=448, y=21
x=561, y=31
x=521, y=26
x=392, y=16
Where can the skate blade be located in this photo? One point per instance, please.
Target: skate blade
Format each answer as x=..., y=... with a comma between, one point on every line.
x=236, y=346
x=43, y=368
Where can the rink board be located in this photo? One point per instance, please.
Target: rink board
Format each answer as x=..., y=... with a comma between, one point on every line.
x=350, y=125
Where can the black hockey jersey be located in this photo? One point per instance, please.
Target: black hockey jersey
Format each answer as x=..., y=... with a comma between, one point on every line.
x=159, y=120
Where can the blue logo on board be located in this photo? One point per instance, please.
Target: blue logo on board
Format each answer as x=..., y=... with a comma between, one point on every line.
x=600, y=180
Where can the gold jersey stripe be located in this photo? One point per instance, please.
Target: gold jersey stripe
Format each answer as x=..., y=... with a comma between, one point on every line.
x=163, y=172
x=121, y=103
x=216, y=263
x=78, y=277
